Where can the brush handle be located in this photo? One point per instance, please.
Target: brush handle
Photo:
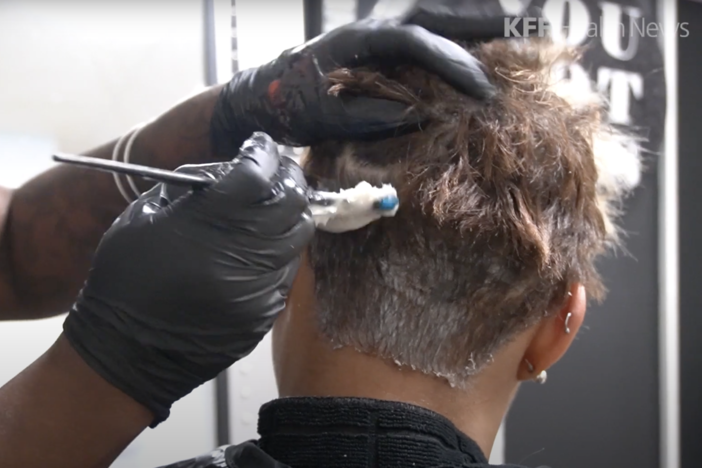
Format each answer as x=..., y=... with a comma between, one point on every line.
x=320, y=199
x=159, y=175
x=151, y=173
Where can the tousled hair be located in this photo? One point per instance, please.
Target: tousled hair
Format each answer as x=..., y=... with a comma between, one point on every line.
x=503, y=206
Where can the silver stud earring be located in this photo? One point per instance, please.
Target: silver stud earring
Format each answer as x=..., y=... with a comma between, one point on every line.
x=541, y=378
x=567, y=330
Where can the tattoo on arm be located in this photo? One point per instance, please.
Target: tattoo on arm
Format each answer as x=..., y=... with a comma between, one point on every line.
x=55, y=222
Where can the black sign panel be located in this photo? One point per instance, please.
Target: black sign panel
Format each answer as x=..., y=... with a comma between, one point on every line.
x=600, y=405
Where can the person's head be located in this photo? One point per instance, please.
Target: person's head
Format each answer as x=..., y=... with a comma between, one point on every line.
x=504, y=208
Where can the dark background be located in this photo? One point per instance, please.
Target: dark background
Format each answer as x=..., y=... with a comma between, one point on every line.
x=600, y=406
x=690, y=194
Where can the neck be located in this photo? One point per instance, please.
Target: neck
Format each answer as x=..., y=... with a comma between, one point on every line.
x=477, y=411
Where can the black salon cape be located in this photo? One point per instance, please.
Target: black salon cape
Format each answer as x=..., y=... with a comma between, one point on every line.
x=332, y=432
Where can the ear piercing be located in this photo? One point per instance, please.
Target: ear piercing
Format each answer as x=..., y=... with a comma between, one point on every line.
x=541, y=377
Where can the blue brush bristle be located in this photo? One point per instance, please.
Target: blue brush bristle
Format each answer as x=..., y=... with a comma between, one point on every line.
x=388, y=203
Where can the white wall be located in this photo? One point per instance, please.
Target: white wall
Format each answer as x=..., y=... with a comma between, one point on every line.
x=75, y=74
x=336, y=13
x=84, y=72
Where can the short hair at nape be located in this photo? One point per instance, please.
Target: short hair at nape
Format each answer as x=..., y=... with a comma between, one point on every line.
x=503, y=206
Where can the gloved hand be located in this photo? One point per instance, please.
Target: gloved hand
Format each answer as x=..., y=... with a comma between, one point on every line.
x=289, y=99
x=467, y=20
x=182, y=288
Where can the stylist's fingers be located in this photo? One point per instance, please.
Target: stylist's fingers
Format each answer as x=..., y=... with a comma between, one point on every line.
x=143, y=207
x=473, y=20
x=446, y=22
x=287, y=214
x=213, y=171
x=250, y=178
x=296, y=224
x=370, y=118
x=246, y=180
x=293, y=181
x=434, y=54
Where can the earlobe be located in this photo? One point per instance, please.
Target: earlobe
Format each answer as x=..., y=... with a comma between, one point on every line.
x=540, y=377
x=554, y=336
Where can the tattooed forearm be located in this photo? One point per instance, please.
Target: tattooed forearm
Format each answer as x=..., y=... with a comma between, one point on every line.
x=54, y=222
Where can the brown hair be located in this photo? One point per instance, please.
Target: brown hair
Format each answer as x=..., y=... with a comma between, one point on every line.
x=500, y=212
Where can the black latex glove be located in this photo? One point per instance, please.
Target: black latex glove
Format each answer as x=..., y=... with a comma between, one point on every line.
x=467, y=20
x=288, y=98
x=181, y=289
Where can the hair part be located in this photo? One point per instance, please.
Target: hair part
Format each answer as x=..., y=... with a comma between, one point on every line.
x=503, y=206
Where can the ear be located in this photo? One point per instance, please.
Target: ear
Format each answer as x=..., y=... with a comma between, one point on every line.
x=554, y=335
